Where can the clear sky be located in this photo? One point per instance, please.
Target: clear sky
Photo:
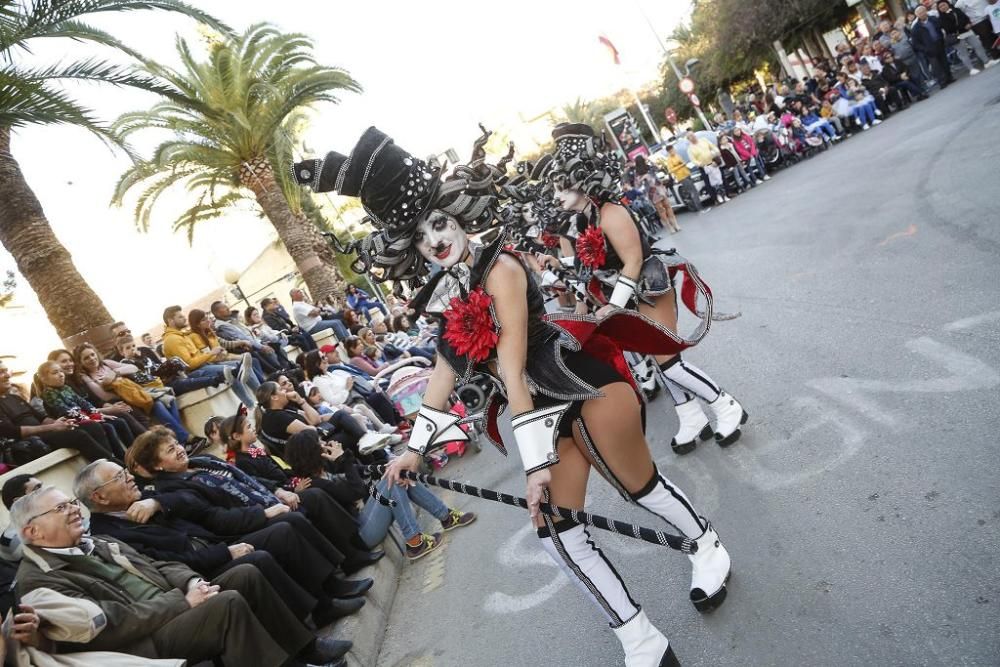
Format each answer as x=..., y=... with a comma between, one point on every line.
x=430, y=71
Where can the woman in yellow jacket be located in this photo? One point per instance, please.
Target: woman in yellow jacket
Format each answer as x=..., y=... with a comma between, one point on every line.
x=703, y=153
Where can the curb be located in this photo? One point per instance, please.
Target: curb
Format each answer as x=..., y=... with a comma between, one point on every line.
x=366, y=628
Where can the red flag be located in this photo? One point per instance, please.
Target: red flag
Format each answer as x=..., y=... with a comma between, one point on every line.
x=612, y=51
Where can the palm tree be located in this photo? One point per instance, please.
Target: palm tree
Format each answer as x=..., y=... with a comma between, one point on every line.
x=232, y=140
x=30, y=94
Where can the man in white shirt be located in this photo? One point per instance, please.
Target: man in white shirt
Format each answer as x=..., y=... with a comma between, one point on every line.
x=309, y=318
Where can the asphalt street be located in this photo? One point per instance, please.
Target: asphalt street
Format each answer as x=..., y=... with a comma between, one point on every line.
x=862, y=505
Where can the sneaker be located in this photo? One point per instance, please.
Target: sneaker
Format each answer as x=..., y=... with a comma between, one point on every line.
x=227, y=374
x=388, y=429
x=428, y=543
x=973, y=72
x=395, y=438
x=876, y=122
x=866, y=126
x=991, y=63
x=457, y=519
x=246, y=366
x=372, y=442
x=878, y=112
x=766, y=177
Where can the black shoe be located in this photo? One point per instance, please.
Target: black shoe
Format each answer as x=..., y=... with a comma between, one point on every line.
x=361, y=561
x=325, y=650
x=328, y=610
x=347, y=588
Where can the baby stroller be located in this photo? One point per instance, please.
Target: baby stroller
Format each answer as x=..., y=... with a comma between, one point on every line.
x=406, y=391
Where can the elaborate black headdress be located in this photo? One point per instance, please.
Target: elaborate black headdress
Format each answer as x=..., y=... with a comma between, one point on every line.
x=582, y=161
x=529, y=199
x=397, y=192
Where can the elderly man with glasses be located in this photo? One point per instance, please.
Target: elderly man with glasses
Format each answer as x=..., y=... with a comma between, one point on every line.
x=156, y=609
x=156, y=527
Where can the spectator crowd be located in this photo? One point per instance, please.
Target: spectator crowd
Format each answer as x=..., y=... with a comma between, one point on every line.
x=238, y=546
x=871, y=78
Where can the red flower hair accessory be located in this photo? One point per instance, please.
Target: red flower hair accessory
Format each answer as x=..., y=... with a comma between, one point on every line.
x=469, y=326
x=550, y=240
x=590, y=248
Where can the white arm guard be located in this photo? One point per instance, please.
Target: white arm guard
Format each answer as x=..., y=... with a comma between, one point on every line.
x=432, y=429
x=549, y=278
x=536, y=433
x=624, y=291
x=567, y=261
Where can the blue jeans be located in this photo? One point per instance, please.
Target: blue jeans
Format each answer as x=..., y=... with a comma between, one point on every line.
x=197, y=380
x=338, y=328
x=244, y=389
x=376, y=518
x=171, y=418
x=364, y=305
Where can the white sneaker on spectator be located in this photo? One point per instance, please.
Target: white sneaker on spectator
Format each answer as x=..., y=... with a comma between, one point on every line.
x=866, y=126
x=878, y=112
x=227, y=373
x=973, y=72
x=766, y=177
x=386, y=428
x=991, y=63
x=876, y=122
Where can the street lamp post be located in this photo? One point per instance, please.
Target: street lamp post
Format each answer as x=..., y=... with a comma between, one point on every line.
x=232, y=276
x=673, y=65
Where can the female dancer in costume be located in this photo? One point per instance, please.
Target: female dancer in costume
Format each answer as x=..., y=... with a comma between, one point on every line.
x=572, y=410
x=610, y=244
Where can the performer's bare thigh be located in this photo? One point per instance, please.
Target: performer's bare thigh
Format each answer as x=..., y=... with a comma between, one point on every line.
x=663, y=311
x=615, y=428
x=569, y=478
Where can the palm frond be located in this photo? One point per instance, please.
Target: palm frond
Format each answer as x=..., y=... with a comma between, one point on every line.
x=34, y=102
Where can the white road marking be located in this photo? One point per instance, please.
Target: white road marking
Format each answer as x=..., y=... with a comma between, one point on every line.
x=516, y=556
x=971, y=322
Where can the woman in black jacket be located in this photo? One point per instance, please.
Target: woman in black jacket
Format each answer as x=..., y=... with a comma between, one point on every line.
x=957, y=28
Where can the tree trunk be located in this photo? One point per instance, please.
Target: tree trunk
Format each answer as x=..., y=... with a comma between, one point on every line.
x=71, y=306
x=301, y=238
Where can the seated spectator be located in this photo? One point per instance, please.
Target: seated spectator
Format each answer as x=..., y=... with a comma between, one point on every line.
x=283, y=412
x=156, y=454
x=359, y=301
x=335, y=390
x=361, y=384
x=296, y=570
x=170, y=371
x=255, y=322
x=253, y=458
x=311, y=459
x=228, y=327
x=817, y=126
x=309, y=318
x=60, y=400
x=156, y=609
x=879, y=89
x=402, y=339
x=109, y=381
x=180, y=342
x=862, y=105
x=356, y=352
x=22, y=423
x=829, y=114
x=899, y=79
x=277, y=318
x=204, y=337
x=903, y=53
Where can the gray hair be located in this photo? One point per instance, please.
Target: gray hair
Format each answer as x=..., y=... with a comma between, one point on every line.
x=86, y=482
x=26, y=507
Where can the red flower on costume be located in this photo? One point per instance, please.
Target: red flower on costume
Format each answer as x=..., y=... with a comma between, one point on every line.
x=469, y=326
x=550, y=240
x=590, y=248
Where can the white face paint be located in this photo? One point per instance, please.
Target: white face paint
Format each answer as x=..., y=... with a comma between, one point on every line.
x=570, y=200
x=440, y=239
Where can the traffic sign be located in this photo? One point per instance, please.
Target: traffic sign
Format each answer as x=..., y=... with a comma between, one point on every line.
x=686, y=85
x=694, y=100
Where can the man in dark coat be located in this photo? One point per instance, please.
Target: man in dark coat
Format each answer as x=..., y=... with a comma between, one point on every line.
x=927, y=37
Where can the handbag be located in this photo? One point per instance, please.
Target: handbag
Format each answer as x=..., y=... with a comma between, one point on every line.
x=132, y=394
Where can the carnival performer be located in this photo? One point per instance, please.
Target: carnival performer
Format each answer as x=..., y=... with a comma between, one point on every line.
x=610, y=244
x=572, y=408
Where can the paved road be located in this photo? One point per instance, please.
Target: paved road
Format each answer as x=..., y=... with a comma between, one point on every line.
x=862, y=506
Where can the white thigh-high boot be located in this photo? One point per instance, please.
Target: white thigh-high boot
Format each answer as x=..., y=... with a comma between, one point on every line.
x=710, y=565
x=728, y=413
x=571, y=547
x=692, y=422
